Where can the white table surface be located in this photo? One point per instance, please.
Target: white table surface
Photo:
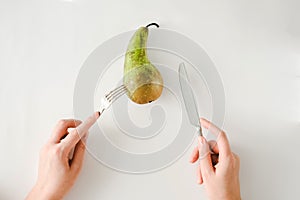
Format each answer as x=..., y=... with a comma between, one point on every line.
x=254, y=44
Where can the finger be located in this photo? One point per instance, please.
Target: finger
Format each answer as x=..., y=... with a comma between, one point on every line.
x=195, y=155
x=77, y=161
x=61, y=129
x=210, y=127
x=222, y=141
x=75, y=135
x=224, y=147
x=205, y=159
x=214, y=159
x=71, y=151
x=215, y=152
x=199, y=175
x=213, y=146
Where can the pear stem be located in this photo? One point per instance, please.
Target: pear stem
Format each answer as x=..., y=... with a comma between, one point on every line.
x=153, y=24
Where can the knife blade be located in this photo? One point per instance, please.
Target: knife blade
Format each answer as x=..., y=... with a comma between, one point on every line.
x=189, y=98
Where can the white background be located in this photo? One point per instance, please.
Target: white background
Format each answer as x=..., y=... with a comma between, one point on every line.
x=254, y=44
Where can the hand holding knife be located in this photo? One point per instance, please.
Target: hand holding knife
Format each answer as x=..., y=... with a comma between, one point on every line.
x=190, y=103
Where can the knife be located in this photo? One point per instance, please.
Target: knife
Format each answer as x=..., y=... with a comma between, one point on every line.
x=189, y=98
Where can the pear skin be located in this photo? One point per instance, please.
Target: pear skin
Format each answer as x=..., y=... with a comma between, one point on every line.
x=142, y=79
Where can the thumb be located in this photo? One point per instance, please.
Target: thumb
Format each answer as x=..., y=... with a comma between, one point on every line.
x=205, y=158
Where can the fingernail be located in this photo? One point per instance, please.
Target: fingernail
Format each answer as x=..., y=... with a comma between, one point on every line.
x=203, y=147
x=97, y=114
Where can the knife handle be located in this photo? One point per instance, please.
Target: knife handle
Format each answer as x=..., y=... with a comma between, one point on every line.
x=200, y=131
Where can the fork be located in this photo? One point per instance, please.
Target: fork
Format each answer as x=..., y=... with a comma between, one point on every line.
x=110, y=97
x=106, y=101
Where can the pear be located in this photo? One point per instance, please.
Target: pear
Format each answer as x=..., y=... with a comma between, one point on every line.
x=142, y=79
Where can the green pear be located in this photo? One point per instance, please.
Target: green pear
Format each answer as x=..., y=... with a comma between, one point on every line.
x=142, y=79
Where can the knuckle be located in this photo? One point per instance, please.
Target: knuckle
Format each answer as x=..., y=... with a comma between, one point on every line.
x=62, y=122
x=220, y=133
x=58, y=151
x=205, y=173
x=228, y=157
x=236, y=157
x=77, y=167
x=205, y=176
x=81, y=146
x=44, y=149
x=77, y=122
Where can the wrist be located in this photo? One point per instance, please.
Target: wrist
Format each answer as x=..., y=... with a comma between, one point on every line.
x=226, y=197
x=39, y=192
x=233, y=198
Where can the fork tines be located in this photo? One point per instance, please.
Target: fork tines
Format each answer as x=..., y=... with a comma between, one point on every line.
x=116, y=93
